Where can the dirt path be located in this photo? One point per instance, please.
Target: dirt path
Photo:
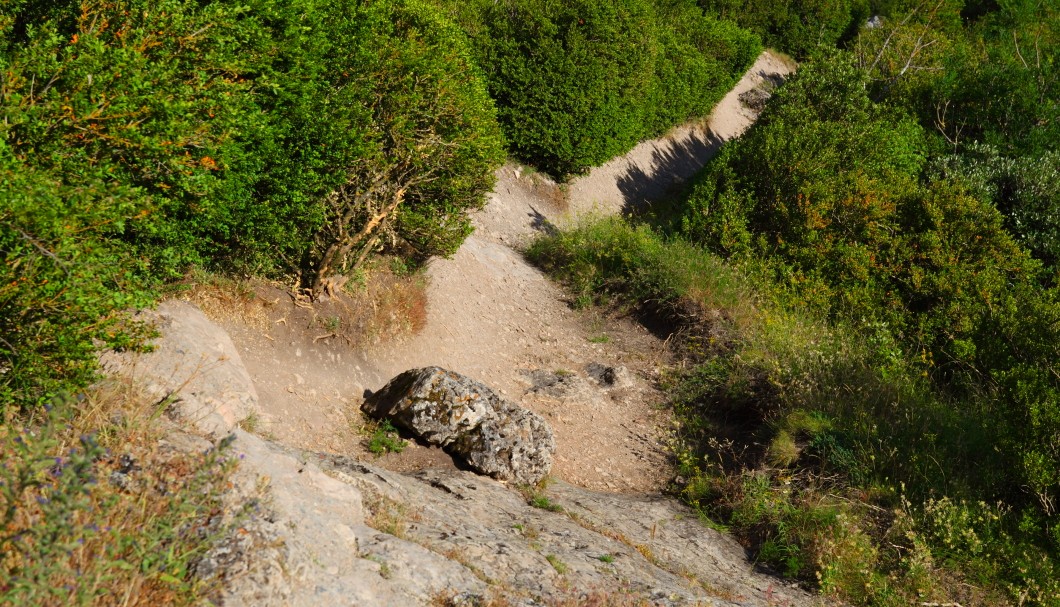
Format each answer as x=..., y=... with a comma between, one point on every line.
x=493, y=317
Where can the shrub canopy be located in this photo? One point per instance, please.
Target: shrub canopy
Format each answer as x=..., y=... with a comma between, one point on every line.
x=141, y=137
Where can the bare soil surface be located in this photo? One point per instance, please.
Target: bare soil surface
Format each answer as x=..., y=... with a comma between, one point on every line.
x=494, y=317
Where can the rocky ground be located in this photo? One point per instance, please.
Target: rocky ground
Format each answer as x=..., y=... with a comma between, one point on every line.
x=332, y=524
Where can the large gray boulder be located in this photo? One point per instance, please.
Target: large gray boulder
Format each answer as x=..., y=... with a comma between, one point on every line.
x=470, y=421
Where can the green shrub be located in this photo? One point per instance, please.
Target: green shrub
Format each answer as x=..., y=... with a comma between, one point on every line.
x=386, y=135
x=802, y=436
x=799, y=27
x=699, y=60
x=82, y=101
x=140, y=137
x=98, y=167
x=1026, y=190
x=577, y=83
x=385, y=439
x=569, y=78
x=64, y=288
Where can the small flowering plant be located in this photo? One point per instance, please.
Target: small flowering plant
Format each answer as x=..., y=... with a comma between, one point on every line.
x=80, y=525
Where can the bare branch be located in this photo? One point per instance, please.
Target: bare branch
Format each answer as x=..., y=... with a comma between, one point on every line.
x=1016, y=42
x=37, y=245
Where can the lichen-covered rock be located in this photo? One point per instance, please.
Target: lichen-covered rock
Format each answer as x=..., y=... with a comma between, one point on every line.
x=470, y=421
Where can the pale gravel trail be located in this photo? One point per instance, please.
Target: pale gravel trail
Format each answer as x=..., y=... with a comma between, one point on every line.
x=491, y=314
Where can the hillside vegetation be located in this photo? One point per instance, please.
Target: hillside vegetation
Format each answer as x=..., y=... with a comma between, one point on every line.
x=866, y=285
x=288, y=139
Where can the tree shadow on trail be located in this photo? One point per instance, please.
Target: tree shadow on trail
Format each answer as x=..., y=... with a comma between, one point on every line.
x=670, y=168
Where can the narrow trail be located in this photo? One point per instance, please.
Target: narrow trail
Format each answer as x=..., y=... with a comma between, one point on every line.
x=494, y=317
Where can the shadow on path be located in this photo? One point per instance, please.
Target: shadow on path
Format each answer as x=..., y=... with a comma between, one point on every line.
x=670, y=168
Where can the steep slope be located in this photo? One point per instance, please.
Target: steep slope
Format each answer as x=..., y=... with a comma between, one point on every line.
x=495, y=318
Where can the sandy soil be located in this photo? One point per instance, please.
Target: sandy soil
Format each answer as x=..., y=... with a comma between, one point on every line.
x=494, y=317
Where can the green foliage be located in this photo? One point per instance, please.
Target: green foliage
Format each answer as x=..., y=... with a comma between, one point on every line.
x=385, y=439
x=541, y=501
x=1005, y=92
x=799, y=434
x=577, y=83
x=608, y=256
x=827, y=187
x=799, y=27
x=140, y=137
x=1026, y=191
x=81, y=101
x=569, y=78
x=92, y=157
x=812, y=184
x=63, y=289
x=395, y=140
x=699, y=59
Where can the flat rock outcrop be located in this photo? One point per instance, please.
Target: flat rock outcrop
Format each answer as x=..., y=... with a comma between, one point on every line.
x=299, y=537
x=326, y=529
x=470, y=421
x=194, y=364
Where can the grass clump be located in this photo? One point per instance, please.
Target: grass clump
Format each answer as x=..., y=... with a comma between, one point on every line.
x=535, y=496
x=388, y=515
x=560, y=567
x=384, y=438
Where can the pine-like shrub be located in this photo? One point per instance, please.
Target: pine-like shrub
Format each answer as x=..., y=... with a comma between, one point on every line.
x=700, y=58
x=798, y=27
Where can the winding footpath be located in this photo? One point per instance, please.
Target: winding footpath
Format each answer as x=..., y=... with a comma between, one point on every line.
x=411, y=529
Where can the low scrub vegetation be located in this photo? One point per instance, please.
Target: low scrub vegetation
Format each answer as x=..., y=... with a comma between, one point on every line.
x=291, y=139
x=799, y=27
x=878, y=414
x=824, y=447
x=97, y=512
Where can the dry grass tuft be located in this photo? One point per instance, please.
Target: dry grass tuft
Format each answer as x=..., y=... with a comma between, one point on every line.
x=389, y=302
x=224, y=299
x=388, y=515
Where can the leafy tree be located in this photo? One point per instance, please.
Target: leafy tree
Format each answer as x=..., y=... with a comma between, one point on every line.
x=569, y=78
x=90, y=153
x=700, y=58
x=812, y=185
x=829, y=188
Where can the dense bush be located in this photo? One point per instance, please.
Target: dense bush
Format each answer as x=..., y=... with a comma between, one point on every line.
x=569, y=78
x=577, y=83
x=391, y=135
x=1026, y=190
x=821, y=445
x=141, y=137
x=799, y=27
x=698, y=61
x=827, y=185
x=92, y=154
x=812, y=185
x=831, y=197
x=986, y=94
